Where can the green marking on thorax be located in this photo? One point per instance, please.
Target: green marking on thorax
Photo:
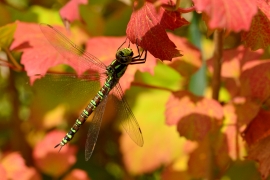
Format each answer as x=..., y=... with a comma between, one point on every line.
x=126, y=51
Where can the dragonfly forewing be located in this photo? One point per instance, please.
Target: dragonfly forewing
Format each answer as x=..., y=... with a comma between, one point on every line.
x=72, y=54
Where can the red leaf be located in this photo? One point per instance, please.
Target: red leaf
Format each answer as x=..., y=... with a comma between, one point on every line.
x=77, y=174
x=260, y=153
x=70, y=11
x=234, y=59
x=3, y=173
x=255, y=80
x=15, y=168
x=97, y=45
x=258, y=35
x=38, y=54
x=194, y=116
x=259, y=128
x=49, y=160
x=190, y=62
x=237, y=113
x=147, y=28
x=230, y=14
x=198, y=163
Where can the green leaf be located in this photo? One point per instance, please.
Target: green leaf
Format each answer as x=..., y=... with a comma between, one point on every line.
x=6, y=34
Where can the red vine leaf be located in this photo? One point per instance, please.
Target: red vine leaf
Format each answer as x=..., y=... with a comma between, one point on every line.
x=191, y=61
x=38, y=54
x=147, y=27
x=255, y=80
x=15, y=168
x=197, y=163
x=70, y=11
x=260, y=153
x=259, y=128
x=44, y=155
x=194, y=116
x=258, y=35
x=77, y=174
x=230, y=14
x=237, y=113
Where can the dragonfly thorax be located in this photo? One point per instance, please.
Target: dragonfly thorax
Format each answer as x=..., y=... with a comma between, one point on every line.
x=124, y=56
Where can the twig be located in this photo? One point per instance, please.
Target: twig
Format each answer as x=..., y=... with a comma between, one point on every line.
x=17, y=66
x=150, y=86
x=218, y=52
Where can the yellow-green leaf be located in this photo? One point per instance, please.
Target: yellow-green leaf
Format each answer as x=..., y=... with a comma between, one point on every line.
x=6, y=34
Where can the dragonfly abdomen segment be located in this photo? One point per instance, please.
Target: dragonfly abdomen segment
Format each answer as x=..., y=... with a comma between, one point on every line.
x=104, y=91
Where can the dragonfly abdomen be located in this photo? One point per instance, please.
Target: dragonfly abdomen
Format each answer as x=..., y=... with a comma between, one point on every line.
x=102, y=93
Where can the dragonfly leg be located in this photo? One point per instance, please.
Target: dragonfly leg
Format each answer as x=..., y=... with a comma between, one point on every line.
x=123, y=44
x=138, y=59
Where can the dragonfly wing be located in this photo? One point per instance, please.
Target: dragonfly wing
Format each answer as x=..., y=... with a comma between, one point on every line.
x=73, y=54
x=68, y=88
x=94, y=129
x=128, y=120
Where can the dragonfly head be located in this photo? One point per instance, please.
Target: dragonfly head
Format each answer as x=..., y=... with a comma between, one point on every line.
x=124, y=56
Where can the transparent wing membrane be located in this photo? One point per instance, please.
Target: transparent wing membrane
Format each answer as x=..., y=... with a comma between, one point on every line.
x=69, y=88
x=128, y=120
x=81, y=88
x=94, y=129
x=74, y=55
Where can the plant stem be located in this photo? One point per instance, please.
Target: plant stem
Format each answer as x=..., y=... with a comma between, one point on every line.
x=218, y=52
x=12, y=59
x=150, y=86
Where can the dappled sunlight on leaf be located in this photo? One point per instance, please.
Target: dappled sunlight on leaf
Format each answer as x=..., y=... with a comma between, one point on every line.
x=45, y=155
x=15, y=168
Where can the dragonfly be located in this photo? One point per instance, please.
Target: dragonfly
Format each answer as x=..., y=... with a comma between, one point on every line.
x=110, y=74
